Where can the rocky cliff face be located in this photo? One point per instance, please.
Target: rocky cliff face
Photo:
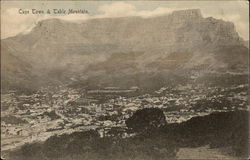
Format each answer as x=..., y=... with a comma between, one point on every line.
x=179, y=41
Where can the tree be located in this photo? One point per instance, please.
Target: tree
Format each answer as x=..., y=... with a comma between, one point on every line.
x=147, y=118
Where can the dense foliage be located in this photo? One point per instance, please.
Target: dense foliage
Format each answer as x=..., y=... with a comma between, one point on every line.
x=221, y=129
x=146, y=118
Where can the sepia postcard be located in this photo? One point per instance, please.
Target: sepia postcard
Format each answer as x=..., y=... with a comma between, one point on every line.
x=125, y=80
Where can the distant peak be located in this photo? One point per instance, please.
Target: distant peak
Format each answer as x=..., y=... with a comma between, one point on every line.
x=195, y=13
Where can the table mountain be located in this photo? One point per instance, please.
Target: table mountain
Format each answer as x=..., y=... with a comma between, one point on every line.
x=125, y=49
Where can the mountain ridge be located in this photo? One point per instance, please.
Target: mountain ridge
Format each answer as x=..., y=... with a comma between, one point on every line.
x=55, y=45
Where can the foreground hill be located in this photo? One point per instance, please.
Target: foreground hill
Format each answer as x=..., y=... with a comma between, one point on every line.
x=227, y=132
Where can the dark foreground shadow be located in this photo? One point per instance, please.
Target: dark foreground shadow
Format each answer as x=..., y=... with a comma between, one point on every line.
x=161, y=142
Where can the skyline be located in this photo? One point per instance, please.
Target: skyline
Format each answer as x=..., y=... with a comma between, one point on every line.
x=14, y=23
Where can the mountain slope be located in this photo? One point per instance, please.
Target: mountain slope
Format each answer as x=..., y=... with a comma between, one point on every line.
x=182, y=42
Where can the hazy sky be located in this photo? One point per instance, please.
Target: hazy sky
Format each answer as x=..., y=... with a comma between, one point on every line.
x=13, y=23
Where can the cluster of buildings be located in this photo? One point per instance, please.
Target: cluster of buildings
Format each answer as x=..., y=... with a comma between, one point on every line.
x=44, y=113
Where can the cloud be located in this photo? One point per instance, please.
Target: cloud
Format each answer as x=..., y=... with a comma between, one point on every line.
x=123, y=9
x=158, y=11
x=117, y=9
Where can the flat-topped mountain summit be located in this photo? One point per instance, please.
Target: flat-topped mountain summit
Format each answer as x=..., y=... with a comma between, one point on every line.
x=133, y=32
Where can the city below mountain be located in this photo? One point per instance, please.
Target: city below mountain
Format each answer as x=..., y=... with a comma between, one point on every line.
x=165, y=87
